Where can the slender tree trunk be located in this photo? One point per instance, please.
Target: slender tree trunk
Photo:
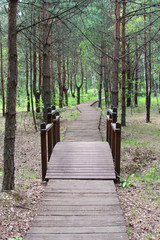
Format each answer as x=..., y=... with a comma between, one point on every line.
x=150, y=70
x=136, y=77
x=101, y=77
x=31, y=88
x=109, y=80
x=145, y=73
x=53, y=79
x=65, y=87
x=115, y=64
x=2, y=78
x=60, y=81
x=76, y=84
x=10, y=124
x=86, y=83
x=129, y=84
x=27, y=80
x=123, y=116
x=46, y=60
x=105, y=77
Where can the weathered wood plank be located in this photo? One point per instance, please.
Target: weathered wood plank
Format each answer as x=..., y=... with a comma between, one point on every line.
x=108, y=236
x=79, y=230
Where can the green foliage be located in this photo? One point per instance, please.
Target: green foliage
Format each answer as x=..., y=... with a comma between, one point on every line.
x=17, y=238
x=126, y=182
x=153, y=174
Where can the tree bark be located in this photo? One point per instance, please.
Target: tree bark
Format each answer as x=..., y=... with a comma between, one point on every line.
x=65, y=85
x=2, y=78
x=101, y=77
x=136, y=76
x=75, y=74
x=115, y=64
x=123, y=116
x=129, y=84
x=146, y=74
x=105, y=77
x=60, y=80
x=46, y=60
x=27, y=81
x=10, y=124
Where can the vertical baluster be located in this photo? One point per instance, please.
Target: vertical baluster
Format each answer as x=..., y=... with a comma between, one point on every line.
x=43, y=150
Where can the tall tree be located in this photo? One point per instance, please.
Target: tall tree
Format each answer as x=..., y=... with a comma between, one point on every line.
x=46, y=58
x=10, y=124
x=2, y=77
x=115, y=63
x=123, y=116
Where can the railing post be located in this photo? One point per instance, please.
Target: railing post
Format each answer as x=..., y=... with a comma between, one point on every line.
x=109, y=129
x=114, y=120
x=107, y=119
x=54, y=127
x=50, y=133
x=43, y=150
x=117, y=148
x=58, y=128
x=113, y=140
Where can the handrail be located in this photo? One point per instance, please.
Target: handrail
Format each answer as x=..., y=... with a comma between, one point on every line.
x=50, y=135
x=113, y=137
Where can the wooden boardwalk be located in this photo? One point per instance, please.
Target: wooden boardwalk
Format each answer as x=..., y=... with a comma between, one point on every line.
x=80, y=200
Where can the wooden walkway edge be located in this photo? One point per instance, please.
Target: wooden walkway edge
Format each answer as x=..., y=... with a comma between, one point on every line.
x=80, y=200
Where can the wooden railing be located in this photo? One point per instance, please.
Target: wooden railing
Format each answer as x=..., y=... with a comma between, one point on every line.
x=113, y=137
x=50, y=135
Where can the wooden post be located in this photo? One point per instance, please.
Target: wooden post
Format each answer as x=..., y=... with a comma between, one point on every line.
x=109, y=130
x=43, y=150
x=114, y=115
x=58, y=128
x=117, y=148
x=113, y=140
x=50, y=133
x=107, y=118
x=54, y=127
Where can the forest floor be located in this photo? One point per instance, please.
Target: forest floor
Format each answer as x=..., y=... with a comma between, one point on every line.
x=140, y=155
x=140, y=170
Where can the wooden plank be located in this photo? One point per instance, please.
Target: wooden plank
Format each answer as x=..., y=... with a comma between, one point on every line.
x=78, y=230
x=102, y=236
x=78, y=221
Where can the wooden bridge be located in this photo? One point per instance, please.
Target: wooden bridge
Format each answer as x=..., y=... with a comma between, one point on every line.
x=80, y=201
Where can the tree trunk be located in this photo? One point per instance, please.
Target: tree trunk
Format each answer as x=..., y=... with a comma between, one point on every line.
x=136, y=77
x=53, y=79
x=2, y=78
x=86, y=83
x=27, y=80
x=105, y=77
x=101, y=77
x=145, y=74
x=75, y=73
x=123, y=116
x=150, y=71
x=60, y=81
x=46, y=60
x=65, y=87
x=129, y=84
x=10, y=124
x=115, y=64
x=31, y=88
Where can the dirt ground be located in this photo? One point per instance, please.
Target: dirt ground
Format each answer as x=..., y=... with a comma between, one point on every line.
x=140, y=156
x=140, y=203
